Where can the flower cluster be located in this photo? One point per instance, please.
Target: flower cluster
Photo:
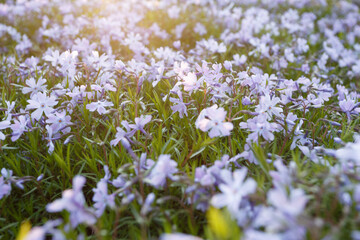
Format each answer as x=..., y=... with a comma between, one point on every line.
x=247, y=109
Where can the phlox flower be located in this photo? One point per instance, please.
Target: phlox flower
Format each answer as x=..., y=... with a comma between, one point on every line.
x=259, y=126
x=73, y=201
x=174, y=12
x=3, y=125
x=302, y=45
x=164, y=168
x=19, y=127
x=208, y=176
x=59, y=121
x=159, y=75
x=349, y=153
x=204, y=176
x=39, y=233
x=50, y=138
x=248, y=154
x=140, y=123
x=6, y=173
x=239, y=60
x=99, y=106
x=213, y=119
x=180, y=105
x=279, y=221
x=349, y=107
x=228, y=65
x=34, y=86
x=291, y=204
x=53, y=57
x=276, y=226
x=146, y=207
x=268, y=105
x=10, y=107
x=190, y=82
x=5, y=187
x=120, y=136
x=213, y=46
x=102, y=198
x=284, y=175
x=181, y=69
x=200, y=29
x=233, y=190
x=144, y=164
x=42, y=104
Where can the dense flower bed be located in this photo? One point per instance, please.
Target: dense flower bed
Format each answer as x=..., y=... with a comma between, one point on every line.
x=179, y=119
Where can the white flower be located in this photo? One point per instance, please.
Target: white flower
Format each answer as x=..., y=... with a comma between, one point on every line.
x=99, y=106
x=213, y=119
x=34, y=87
x=42, y=104
x=3, y=125
x=190, y=82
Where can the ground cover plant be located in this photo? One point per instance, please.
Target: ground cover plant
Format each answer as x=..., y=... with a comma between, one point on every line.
x=179, y=119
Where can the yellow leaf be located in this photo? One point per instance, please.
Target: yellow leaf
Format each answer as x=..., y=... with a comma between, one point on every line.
x=24, y=229
x=218, y=223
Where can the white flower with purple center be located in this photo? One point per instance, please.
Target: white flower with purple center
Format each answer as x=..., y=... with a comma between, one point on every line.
x=34, y=86
x=42, y=104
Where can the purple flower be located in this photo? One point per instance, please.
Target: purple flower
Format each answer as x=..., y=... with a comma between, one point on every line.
x=204, y=176
x=180, y=105
x=53, y=58
x=146, y=207
x=10, y=107
x=282, y=178
x=120, y=136
x=19, y=127
x=164, y=168
x=140, y=123
x=145, y=163
x=259, y=126
x=233, y=190
x=349, y=153
x=101, y=198
x=73, y=201
x=348, y=107
x=5, y=188
x=59, y=121
x=50, y=137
